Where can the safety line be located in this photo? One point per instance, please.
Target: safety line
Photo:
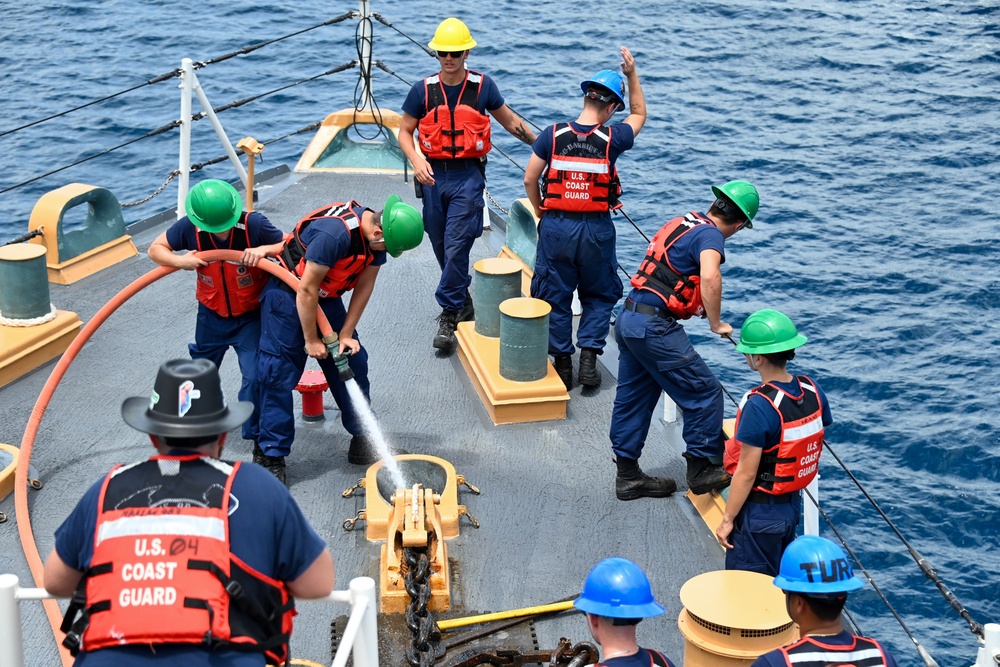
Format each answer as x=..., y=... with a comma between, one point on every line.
x=924, y=654
x=166, y=76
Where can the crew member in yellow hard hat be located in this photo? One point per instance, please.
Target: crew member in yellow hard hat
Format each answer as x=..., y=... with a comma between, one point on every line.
x=775, y=451
x=448, y=110
x=576, y=241
x=333, y=250
x=228, y=293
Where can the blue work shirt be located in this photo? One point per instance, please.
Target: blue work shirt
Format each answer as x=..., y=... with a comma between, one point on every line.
x=327, y=240
x=183, y=235
x=415, y=103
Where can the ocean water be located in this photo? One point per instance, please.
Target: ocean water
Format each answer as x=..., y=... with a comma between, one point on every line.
x=871, y=129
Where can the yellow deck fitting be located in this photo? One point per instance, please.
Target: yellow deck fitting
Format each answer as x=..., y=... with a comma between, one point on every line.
x=507, y=401
x=711, y=506
x=8, y=454
x=23, y=349
x=731, y=617
x=434, y=469
x=336, y=123
x=414, y=523
x=73, y=254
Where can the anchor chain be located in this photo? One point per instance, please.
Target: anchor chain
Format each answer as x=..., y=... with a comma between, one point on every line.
x=565, y=655
x=425, y=645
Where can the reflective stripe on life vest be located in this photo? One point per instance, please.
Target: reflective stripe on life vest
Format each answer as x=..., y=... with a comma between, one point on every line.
x=810, y=652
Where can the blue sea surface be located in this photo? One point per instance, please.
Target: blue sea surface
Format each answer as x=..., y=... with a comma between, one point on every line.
x=870, y=127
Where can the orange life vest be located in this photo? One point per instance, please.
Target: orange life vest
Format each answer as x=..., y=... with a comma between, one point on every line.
x=793, y=462
x=580, y=176
x=811, y=652
x=680, y=294
x=229, y=288
x=345, y=272
x=162, y=571
x=463, y=133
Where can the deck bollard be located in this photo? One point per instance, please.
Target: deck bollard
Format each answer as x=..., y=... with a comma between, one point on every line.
x=497, y=279
x=524, y=339
x=24, y=286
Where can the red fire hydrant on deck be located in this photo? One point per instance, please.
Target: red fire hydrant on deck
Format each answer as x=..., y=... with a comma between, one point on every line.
x=311, y=385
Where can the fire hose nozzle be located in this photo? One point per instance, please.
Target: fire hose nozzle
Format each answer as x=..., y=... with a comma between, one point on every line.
x=332, y=343
x=343, y=368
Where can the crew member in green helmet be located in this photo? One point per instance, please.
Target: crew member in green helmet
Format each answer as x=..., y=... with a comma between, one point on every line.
x=776, y=448
x=679, y=278
x=333, y=250
x=228, y=293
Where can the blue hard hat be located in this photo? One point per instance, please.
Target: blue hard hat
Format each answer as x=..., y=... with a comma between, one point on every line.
x=813, y=564
x=618, y=588
x=611, y=80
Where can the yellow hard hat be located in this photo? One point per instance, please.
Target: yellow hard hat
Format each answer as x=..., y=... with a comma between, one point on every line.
x=452, y=35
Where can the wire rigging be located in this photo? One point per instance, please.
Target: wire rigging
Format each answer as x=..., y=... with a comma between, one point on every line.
x=166, y=76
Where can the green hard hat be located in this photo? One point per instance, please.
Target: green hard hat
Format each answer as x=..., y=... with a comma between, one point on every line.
x=768, y=331
x=743, y=194
x=213, y=206
x=402, y=226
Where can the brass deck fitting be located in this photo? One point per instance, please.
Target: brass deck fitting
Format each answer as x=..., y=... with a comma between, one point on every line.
x=421, y=515
x=731, y=617
x=414, y=523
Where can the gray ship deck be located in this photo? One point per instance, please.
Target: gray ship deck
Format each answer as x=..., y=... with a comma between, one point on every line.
x=547, y=507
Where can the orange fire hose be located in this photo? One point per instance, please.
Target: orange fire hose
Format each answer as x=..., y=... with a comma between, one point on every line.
x=27, y=536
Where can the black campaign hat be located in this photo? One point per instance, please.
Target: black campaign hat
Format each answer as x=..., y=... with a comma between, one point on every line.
x=187, y=402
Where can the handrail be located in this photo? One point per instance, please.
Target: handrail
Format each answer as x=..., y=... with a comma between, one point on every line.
x=360, y=637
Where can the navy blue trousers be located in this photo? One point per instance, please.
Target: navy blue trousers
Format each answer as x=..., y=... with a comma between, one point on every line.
x=214, y=335
x=761, y=532
x=453, y=220
x=577, y=254
x=282, y=360
x=655, y=354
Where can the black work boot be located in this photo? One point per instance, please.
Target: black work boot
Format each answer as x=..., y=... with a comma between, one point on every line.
x=564, y=367
x=362, y=451
x=445, y=338
x=468, y=312
x=704, y=476
x=258, y=454
x=631, y=482
x=589, y=375
x=276, y=466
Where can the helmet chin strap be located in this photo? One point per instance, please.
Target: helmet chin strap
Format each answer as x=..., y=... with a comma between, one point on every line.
x=750, y=362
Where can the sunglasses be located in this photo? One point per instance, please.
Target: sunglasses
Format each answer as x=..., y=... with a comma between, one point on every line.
x=730, y=208
x=453, y=54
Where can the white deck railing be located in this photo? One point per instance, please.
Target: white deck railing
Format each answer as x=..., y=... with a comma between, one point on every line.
x=360, y=636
